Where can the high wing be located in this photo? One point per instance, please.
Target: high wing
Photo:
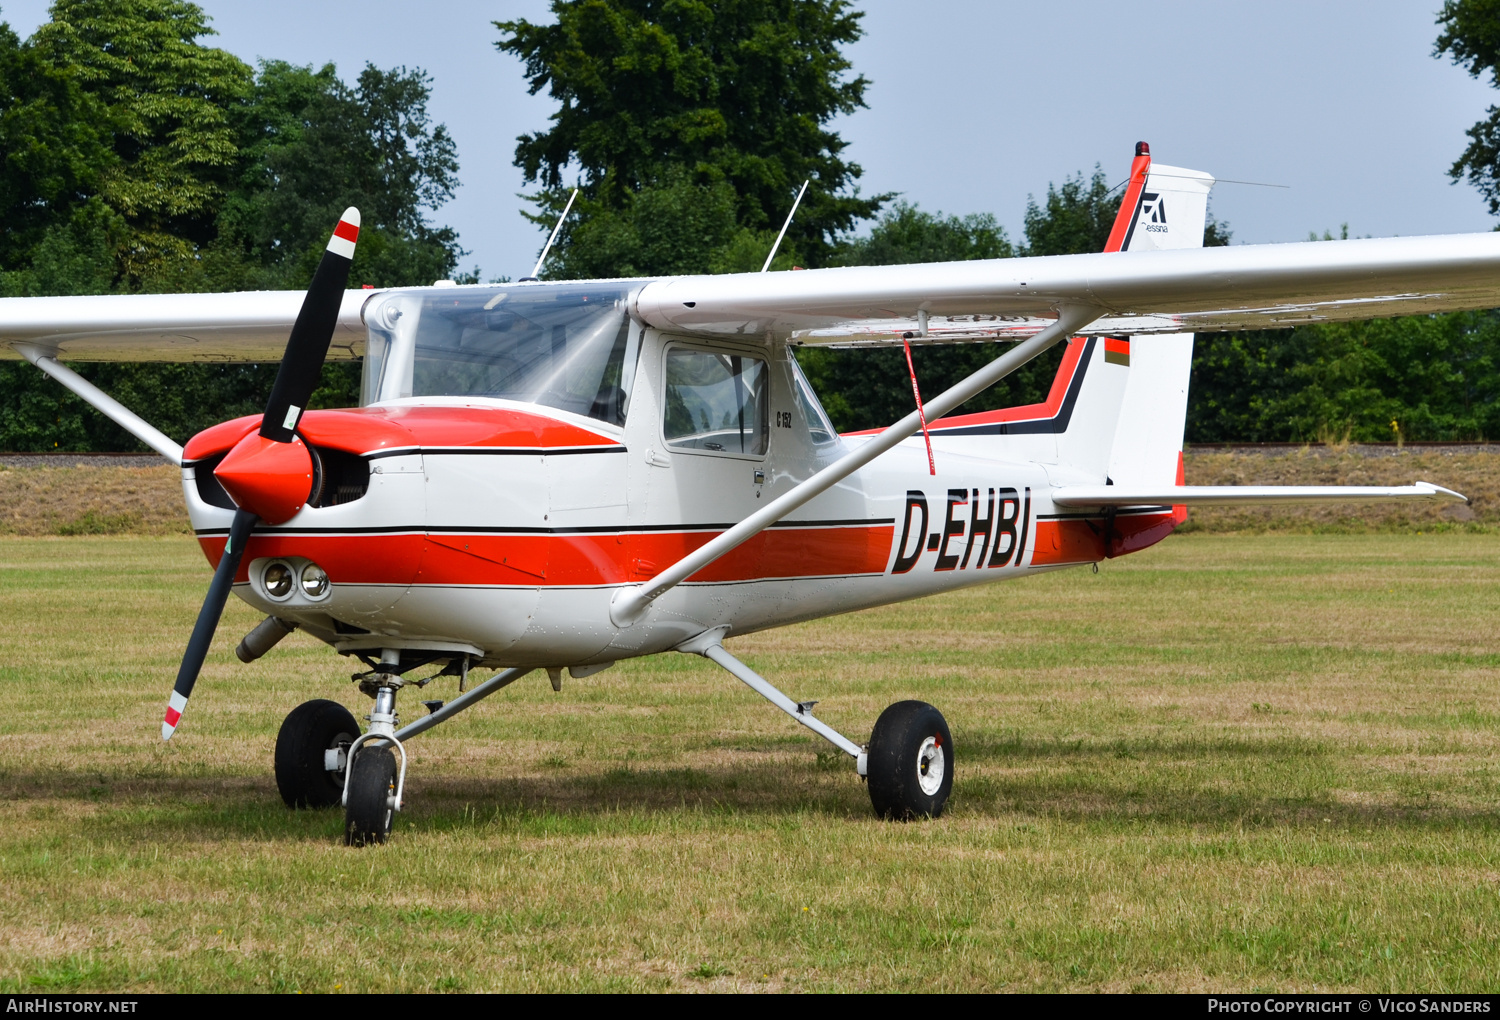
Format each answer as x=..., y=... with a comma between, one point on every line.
x=1186, y=290
x=248, y=326
x=1135, y=292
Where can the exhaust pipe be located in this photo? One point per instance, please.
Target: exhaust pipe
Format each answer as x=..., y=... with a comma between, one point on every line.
x=263, y=638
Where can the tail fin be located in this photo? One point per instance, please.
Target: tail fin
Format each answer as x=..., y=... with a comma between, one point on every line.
x=1167, y=209
x=1116, y=409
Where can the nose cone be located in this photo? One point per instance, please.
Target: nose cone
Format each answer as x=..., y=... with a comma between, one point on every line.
x=272, y=480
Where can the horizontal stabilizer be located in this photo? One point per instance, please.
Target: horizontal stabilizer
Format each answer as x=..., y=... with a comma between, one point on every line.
x=1246, y=495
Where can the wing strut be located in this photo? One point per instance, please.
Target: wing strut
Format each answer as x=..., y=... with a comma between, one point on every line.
x=112, y=408
x=629, y=604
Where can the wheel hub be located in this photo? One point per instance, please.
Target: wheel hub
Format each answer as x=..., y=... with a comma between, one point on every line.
x=932, y=764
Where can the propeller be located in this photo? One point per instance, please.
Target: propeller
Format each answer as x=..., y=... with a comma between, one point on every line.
x=269, y=474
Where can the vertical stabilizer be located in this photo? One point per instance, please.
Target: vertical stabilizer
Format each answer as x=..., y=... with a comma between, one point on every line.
x=1117, y=405
x=1168, y=209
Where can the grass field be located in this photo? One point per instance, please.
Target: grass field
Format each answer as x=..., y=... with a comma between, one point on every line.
x=1230, y=762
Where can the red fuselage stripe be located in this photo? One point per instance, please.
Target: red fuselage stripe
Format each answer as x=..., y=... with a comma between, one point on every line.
x=569, y=559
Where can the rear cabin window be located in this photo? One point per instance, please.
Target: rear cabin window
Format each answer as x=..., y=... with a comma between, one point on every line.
x=716, y=402
x=819, y=428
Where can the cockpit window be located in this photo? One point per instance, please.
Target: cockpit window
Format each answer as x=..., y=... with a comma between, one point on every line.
x=568, y=346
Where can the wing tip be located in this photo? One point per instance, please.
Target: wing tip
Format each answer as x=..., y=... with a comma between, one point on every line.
x=1440, y=492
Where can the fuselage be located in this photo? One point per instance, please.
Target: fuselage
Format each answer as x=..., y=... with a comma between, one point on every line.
x=475, y=523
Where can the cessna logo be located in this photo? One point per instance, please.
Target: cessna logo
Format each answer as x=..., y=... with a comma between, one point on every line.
x=1154, y=212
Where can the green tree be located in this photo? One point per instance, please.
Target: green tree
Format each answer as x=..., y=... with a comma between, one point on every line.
x=54, y=146
x=1471, y=37
x=1432, y=377
x=1075, y=218
x=311, y=146
x=738, y=91
x=167, y=100
x=123, y=165
x=677, y=227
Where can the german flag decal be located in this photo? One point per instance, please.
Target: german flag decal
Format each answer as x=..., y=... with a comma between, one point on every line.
x=1117, y=351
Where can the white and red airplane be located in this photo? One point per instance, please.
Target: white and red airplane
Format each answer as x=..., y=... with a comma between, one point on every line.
x=558, y=476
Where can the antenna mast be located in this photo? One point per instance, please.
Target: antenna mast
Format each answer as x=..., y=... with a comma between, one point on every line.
x=537, y=269
x=775, y=247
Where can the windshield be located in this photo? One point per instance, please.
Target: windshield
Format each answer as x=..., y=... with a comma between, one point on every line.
x=568, y=346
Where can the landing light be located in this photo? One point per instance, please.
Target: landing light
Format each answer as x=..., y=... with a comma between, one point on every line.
x=314, y=581
x=278, y=580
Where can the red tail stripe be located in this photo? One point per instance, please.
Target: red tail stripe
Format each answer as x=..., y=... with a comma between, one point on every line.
x=1139, y=168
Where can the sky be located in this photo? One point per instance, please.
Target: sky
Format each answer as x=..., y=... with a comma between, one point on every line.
x=976, y=104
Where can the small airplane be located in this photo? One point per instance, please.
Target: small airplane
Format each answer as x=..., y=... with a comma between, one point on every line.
x=559, y=476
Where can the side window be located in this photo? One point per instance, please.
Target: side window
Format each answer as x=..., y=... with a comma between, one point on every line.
x=818, y=426
x=716, y=402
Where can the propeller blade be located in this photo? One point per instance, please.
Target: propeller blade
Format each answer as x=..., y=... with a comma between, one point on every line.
x=208, y=619
x=307, y=347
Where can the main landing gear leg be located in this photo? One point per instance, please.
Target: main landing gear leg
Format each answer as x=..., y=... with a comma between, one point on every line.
x=908, y=761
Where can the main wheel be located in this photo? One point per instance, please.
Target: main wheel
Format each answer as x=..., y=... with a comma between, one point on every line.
x=910, y=762
x=372, y=797
x=302, y=774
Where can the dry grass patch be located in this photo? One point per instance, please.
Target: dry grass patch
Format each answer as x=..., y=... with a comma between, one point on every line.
x=88, y=500
x=1475, y=474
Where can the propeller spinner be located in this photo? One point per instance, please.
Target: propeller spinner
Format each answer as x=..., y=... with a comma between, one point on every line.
x=269, y=474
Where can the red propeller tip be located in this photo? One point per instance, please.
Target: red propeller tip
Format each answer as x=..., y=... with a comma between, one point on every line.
x=345, y=234
x=175, y=706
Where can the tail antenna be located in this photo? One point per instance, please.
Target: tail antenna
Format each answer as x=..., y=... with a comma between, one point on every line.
x=777, y=246
x=537, y=269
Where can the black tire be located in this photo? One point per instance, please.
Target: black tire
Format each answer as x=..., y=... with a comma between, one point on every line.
x=902, y=762
x=312, y=728
x=372, y=788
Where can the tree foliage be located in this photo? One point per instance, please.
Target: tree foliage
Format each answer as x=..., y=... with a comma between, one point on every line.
x=133, y=157
x=54, y=147
x=166, y=100
x=312, y=146
x=1430, y=377
x=1471, y=37
x=677, y=227
x=654, y=94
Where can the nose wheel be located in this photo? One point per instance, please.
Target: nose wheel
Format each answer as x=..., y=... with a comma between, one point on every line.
x=371, y=804
x=910, y=762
